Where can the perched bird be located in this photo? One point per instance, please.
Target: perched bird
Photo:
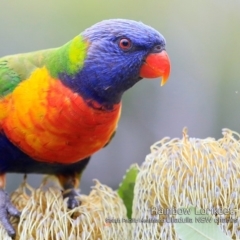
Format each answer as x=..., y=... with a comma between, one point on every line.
x=59, y=106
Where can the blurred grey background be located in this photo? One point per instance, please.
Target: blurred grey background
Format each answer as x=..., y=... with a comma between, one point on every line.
x=203, y=92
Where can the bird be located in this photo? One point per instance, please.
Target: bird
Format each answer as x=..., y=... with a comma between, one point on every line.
x=59, y=106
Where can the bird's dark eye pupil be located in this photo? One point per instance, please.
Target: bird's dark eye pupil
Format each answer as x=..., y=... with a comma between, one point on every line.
x=125, y=43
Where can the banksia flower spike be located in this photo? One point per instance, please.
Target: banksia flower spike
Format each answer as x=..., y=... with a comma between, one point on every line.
x=181, y=173
x=45, y=215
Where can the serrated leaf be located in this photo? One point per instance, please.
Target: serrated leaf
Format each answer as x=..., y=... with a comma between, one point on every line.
x=126, y=188
x=199, y=226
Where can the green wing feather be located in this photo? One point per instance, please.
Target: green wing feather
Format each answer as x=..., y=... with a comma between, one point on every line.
x=9, y=79
x=17, y=68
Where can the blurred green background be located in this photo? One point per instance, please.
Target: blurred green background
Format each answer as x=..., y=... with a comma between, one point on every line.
x=203, y=92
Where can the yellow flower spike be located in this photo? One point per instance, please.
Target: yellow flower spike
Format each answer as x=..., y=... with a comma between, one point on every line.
x=188, y=172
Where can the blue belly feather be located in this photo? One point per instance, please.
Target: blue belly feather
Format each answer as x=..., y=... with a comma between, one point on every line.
x=12, y=159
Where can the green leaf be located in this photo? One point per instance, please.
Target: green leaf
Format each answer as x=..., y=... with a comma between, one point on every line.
x=199, y=226
x=126, y=188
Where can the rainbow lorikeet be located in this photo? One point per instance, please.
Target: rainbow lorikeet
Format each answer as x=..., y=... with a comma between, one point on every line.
x=59, y=106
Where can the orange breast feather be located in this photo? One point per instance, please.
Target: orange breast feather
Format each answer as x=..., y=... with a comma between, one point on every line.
x=50, y=123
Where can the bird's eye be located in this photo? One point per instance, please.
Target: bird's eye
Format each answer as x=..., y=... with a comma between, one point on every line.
x=158, y=48
x=125, y=44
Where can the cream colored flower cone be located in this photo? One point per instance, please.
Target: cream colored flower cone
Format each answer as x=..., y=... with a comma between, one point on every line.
x=46, y=217
x=182, y=172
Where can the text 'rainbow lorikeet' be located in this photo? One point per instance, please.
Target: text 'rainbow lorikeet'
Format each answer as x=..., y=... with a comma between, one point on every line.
x=59, y=106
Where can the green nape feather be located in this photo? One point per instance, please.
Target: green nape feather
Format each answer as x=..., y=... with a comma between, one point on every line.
x=66, y=59
x=69, y=58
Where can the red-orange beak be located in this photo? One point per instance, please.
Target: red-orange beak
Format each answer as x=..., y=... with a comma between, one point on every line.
x=156, y=65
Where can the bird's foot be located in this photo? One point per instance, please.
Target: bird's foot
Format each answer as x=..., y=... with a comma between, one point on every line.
x=6, y=209
x=71, y=194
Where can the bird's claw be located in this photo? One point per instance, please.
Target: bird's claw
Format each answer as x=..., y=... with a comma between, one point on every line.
x=71, y=194
x=6, y=209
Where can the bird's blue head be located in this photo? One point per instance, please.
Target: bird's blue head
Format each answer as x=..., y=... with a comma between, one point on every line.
x=120, y=53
